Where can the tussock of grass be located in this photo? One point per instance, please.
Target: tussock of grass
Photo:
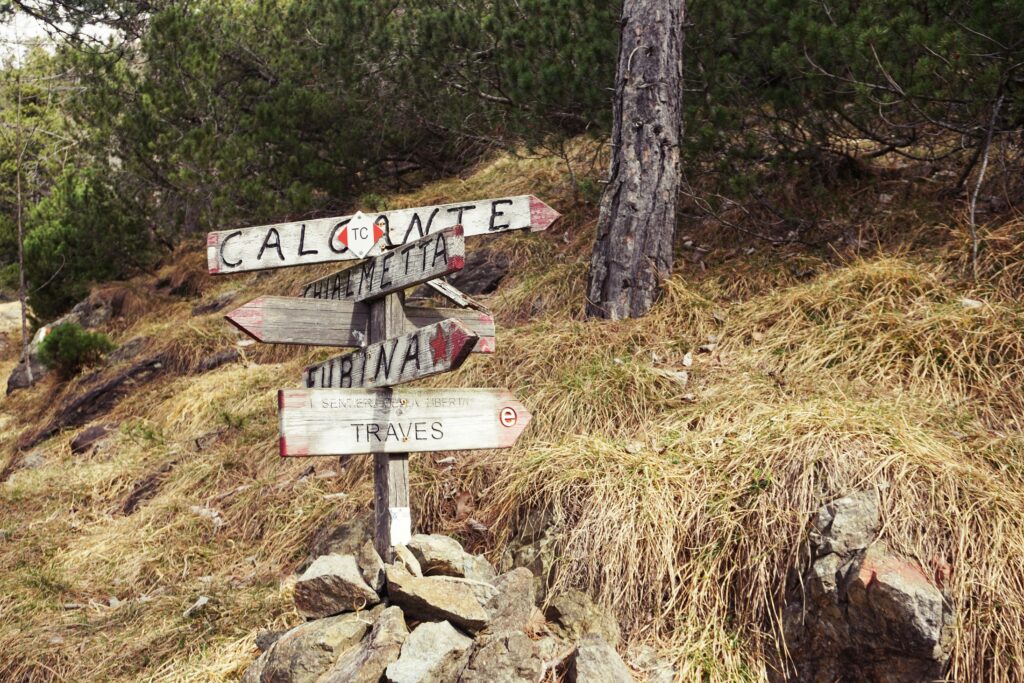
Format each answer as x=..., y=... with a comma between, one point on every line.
x=679, y=500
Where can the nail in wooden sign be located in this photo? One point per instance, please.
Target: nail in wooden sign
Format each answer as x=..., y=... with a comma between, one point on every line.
x=355, y=421
x=330, y=322
x=320, y=240
x=441, y=347
x=431, y=257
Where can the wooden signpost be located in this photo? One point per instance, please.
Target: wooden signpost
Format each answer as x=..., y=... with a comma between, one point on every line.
x=347, y=407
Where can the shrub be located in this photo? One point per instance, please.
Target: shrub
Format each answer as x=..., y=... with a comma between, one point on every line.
x=84, y=232
x=68, y=348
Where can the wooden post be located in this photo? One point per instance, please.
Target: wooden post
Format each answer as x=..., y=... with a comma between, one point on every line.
x=392, y=519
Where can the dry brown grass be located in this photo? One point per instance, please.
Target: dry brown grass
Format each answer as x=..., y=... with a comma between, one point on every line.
x=679, y=505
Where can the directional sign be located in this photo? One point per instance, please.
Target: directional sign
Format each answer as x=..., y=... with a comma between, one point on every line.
x=289, y=320
x=431, y=350
x=353, y=421
x=319, y=240
x=431, y=257
x=329, y=322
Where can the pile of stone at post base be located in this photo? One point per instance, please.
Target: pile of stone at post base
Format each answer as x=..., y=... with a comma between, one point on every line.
x=436, y=615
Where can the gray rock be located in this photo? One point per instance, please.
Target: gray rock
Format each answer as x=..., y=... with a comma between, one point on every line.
x=436, y=598
x=342, y=539
x=595, y=661
x=405, y=558
x=433, y=653
x=893, y=596
x=19, y=377
x=88, y=438
x=130, y=349
x=265, y=639
x=333, y=584
x=656, y=668
x=846, y=524
x=573, y=615
x=857, y=611
x=306, y=652
x=367, y=663
x=444, y=555
x=512, y=606
x=505, y=658
x=538, y=556
x=88, y=314
x=371, y=567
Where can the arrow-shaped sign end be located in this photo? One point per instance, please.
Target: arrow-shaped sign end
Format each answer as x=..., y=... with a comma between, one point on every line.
x=248, y=318
x=513, y=417
x=462, y=340
x=541, y=215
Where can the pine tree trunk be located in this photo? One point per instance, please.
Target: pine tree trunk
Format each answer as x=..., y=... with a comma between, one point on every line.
x=633, y=251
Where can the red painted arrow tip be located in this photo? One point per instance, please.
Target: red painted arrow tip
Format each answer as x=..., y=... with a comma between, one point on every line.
x=512, y=424
x=248, y=318
x=541, y=215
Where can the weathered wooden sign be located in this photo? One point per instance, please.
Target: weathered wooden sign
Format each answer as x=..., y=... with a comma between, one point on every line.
x=430, y=350
x=318, y=240
x=330, y=322
x=430, y=257
x=354, y=421
x=456, y=296
x=346, y=408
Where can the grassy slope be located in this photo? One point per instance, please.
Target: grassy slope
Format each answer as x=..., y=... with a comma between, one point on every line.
x=681, y=506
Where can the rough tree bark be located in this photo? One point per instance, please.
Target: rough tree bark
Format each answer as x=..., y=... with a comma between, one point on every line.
x=633, y=251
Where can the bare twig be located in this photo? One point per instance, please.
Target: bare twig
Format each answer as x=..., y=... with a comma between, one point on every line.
x=975, y=242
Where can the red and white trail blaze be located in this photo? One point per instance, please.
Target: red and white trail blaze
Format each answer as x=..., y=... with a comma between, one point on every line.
x=437, y=348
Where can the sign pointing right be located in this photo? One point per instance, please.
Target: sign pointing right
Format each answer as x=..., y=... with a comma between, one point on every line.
x=354, y=421
x=320, y=240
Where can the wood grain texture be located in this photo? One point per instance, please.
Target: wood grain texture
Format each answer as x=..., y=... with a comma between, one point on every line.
x=456, y=296
x=397, y=420
x=291, y=320
x=391, y=510
x=316, y=241
x=430, y=350
x=424, y=259
x=331, y=322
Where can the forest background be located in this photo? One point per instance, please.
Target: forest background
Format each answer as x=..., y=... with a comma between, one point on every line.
x=189, y=116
